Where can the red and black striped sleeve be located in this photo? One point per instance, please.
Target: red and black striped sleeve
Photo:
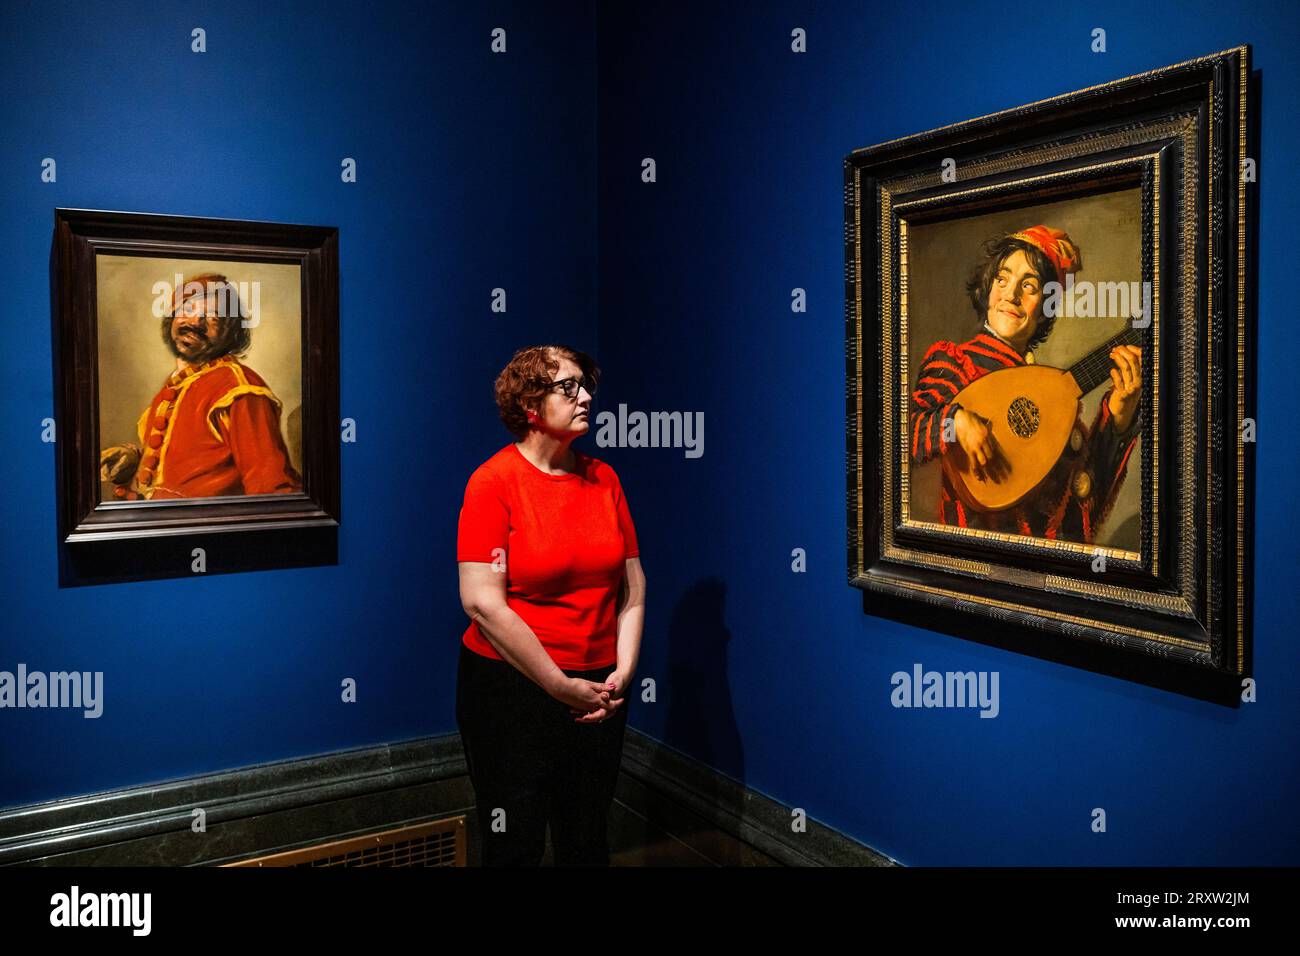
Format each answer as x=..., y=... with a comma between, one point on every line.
x=940, y=379
x=1108, y=453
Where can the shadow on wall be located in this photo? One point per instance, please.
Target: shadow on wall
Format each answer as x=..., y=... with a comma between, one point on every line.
x=699, y=692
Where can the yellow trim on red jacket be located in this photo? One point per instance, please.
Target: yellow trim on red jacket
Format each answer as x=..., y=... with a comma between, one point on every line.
x=227, y=399
x=224, y=362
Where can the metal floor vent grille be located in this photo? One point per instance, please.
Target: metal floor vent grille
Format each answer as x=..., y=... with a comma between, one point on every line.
x=440, y=843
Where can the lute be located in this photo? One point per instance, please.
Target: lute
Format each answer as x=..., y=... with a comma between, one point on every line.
x=1030, y=411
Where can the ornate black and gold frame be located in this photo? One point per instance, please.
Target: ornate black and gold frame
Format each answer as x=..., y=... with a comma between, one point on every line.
x=1182, y=135
x=112, y=541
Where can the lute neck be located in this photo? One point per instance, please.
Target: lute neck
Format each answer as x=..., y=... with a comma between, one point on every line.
x=1094, y=369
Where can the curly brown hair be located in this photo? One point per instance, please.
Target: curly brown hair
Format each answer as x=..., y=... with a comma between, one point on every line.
x=996, y=251
x=521, y=388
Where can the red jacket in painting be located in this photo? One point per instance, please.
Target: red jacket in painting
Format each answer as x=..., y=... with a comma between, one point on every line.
x=1076, y=496
x=213, y=430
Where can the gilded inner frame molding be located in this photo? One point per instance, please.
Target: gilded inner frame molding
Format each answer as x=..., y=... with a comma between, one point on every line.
x=1131, y=596
x=904, y=373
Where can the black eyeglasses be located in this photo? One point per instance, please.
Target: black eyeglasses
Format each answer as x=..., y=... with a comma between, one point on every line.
x=571, y=386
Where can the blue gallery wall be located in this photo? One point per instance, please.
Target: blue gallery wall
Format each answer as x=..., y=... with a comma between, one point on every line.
x=478, y=171
x=475, y=171
x=779, y=678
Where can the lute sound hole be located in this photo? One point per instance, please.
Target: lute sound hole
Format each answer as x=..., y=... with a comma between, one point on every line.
x=1022, y=416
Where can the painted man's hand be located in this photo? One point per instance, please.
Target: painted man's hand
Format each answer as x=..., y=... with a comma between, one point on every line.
x=118, y=463
x=1127, y=378
x=976, y=440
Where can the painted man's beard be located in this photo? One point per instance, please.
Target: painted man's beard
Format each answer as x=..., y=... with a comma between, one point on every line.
x=200, y=348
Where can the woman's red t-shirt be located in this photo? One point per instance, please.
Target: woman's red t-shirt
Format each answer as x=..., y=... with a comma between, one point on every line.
x=562, y=540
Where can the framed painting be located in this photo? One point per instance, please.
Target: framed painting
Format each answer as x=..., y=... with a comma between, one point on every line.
x=196, y=392
x=1048, y=361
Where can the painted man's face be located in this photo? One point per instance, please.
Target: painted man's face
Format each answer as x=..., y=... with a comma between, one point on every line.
x=1015, y=300
x=198, y=330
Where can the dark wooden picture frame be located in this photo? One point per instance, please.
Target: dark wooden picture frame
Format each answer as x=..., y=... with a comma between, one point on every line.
x=109, y=541
x=1176, y=612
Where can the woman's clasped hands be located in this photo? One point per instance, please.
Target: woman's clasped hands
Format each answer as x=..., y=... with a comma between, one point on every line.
x=593, y=702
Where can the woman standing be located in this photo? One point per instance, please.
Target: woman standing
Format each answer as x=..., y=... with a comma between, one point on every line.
x=552, y=582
